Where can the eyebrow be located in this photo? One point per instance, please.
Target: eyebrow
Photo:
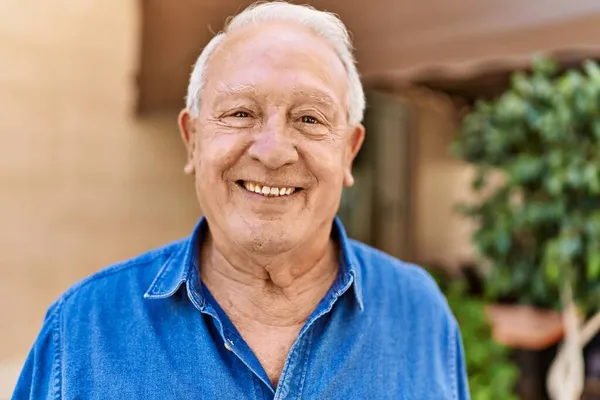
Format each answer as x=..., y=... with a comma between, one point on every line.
x=321, y=98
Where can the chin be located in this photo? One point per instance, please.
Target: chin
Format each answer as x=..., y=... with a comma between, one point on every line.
x=268, y=237
x=267, y=244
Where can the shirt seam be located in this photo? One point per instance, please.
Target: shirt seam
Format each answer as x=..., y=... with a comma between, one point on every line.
x=306, y=360
x=284, y=378
x=453, y=376
x=56, y=341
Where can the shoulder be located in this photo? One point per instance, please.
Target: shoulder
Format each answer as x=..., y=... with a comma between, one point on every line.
x=127, y=279
x=404, y=301
x=401, y=285
x=103, y=300
x=392, y=272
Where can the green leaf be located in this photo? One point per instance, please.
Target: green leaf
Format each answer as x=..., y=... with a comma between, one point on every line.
x=526, y=168
x=593, y=263
x=503, y=243
x=552, y=270
x=511, y=107
x=592, y=70
x=480, y=179
x=555, y=184
x=540, y=223
x=596, y=128
x=521, y=85
x=570, y=246
x=591, y=175
x=544, y=66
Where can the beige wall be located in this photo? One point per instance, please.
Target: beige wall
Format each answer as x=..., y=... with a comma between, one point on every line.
x=82, y=182
x=441, y=236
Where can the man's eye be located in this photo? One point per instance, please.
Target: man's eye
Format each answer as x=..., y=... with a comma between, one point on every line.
x=241, y=114
x=307, y=119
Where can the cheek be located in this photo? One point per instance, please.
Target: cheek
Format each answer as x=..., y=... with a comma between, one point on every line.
x=326, y=161
x=217, y=153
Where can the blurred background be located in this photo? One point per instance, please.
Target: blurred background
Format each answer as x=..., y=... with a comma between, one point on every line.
x=91, y=161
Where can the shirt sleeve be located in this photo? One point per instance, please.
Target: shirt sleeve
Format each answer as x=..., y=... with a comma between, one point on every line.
x=40, y=376
x=462, y=381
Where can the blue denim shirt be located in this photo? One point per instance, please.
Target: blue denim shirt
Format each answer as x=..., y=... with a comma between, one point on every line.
x=148, y=329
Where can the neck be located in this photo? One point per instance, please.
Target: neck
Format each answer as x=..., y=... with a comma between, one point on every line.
x=278, y=290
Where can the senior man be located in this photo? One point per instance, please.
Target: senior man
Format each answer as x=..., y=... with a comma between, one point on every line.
x=267, y=298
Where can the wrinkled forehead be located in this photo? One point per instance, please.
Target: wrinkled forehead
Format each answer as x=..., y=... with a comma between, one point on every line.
x=277, y=57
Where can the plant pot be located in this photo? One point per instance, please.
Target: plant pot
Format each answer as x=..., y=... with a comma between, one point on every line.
x=525, y=327
x=533, y=333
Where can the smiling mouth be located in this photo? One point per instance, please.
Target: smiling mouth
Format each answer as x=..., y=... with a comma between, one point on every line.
x=267, y=191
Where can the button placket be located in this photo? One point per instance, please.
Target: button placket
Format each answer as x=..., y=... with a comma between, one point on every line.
x=294, y=372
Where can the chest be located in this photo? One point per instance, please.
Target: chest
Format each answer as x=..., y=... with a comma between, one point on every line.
x=271, y=346
x=336, y=358
x=347, y=365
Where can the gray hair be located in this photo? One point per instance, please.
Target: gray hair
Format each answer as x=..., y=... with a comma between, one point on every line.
x=325, y=24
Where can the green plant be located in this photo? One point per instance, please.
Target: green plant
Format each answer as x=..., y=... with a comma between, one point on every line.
x=492, y=375
x=539, y=222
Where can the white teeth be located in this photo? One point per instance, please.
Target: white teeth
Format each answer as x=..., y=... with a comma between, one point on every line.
x=267, y=190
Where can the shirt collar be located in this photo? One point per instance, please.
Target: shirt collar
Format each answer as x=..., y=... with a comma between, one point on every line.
x=179, y=267
x=349, y=265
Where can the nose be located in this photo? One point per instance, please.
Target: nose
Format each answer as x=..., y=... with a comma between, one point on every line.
x=274, y=148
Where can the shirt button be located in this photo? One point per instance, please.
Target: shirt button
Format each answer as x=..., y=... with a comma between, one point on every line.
x=228, y=345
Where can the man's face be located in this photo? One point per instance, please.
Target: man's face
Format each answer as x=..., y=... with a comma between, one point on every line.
x=271, y=147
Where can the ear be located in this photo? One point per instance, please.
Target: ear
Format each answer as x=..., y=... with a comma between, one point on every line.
x=188, y=134
x=355, y=143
